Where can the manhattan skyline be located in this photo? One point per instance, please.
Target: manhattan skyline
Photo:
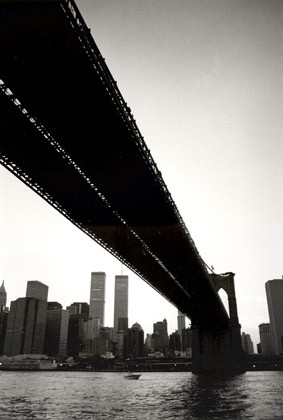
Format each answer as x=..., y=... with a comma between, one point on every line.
x=204, y=84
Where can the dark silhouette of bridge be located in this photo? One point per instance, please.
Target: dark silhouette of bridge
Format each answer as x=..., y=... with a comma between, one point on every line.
x=68, y=134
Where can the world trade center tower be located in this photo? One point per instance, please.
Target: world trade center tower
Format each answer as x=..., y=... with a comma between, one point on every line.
x=97, y=296
x=121, y=304
x=274, y=294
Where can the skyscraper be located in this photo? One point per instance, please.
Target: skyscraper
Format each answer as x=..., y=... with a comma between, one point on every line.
x=103, y=343
x=56, y=332
x=79, y=308
x=186, y=342
x=37, y=290
x=25, y=327
x=91, y=332
x=3, y=296
x=134, y=342
x=274, y=294
x=265, y=339
x=121, y=304
x=160, y=336
x=247, y=343
x=75, y=343
x=4, y=313
x=175, y=342
x=54, y=305
x=3, y=316
x=181, y=322
x=149, y=344
x=27, y=321
x=97, y=296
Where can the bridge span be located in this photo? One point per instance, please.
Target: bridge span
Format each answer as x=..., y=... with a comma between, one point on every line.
x=68, y=134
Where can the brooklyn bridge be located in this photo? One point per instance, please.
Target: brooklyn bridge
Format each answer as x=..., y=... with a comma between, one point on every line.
x=68, y=134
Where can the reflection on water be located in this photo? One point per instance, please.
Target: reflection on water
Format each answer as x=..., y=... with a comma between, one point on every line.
x=215, y=397
x=97, y=395
x=254, y=395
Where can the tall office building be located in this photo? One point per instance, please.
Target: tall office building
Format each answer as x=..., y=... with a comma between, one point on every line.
x=119, y=344
x=37, y=290
x=27, y=321
x=247, y=343
x=121, y=304
x=4, y=313
x=3, y=316
x=56, y=332
x=103, y=343
x=25, y=327
x=160, y=336
x=175, y=342
x=265, y=339
x=91, y=332
x=54, y=305
x=274, y=294
x=181, y=322
x=149, y=344
x=3, y=296
x=97, y=296
x=134, y=342
x=81, y=308
x=76, y=339
x=186, y=342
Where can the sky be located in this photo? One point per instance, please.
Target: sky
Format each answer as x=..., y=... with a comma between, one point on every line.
x=203, y=79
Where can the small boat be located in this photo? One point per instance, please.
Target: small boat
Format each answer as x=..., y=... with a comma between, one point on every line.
x=132, y=376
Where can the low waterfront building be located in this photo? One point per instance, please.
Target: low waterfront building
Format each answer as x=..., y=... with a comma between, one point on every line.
x=27, y=362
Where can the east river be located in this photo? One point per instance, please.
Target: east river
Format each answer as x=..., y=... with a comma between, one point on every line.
x=106, y=395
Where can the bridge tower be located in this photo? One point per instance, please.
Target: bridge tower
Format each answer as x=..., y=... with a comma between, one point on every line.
x=219, y=351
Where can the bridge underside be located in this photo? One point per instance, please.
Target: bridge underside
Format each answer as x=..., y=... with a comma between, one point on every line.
x=68, y=134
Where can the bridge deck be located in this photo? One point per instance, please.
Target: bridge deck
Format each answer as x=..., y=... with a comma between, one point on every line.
x=68, y=134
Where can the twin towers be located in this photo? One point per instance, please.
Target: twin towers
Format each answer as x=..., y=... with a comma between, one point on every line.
x=97, y=300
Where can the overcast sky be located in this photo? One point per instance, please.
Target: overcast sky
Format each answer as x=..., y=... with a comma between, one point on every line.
x=204, y=82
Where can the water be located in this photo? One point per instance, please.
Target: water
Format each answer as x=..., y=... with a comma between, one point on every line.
x=99, y=395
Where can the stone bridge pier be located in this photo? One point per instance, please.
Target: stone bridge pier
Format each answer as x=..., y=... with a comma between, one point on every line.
x=219, y=351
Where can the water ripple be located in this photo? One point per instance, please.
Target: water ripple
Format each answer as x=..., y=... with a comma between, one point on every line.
x=100, y=396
